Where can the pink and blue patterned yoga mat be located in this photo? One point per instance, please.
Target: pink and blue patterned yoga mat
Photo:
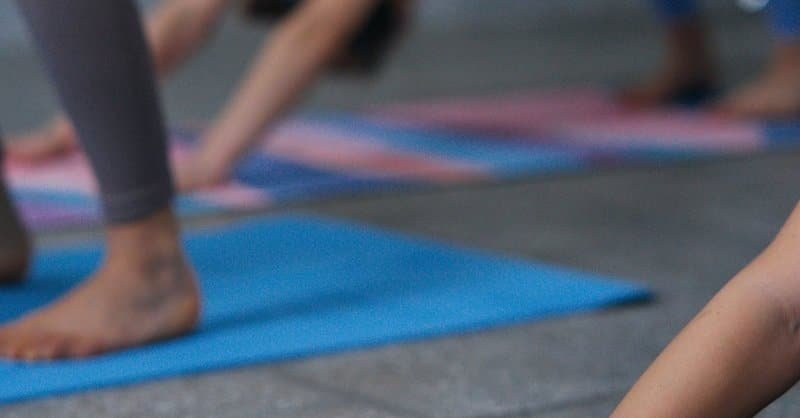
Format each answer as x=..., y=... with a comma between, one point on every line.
x=423, y=145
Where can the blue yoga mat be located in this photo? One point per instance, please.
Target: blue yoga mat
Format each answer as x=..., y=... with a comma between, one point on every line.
x=287, y=287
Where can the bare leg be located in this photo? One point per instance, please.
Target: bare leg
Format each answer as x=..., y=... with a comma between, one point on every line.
x=740, y=353
x=687, y=73
x=775, y=94
x=144, y=290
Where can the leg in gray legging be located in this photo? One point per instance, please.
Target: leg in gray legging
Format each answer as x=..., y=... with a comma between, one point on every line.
x=102, y=70
x=144, y=290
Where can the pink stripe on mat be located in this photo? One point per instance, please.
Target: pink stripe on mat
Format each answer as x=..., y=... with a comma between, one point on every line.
x=71, y=174
x=581, y=118
x=330, y=149
x=68, y=174
x=513, y=114
x=451, y=141
x=672, y=130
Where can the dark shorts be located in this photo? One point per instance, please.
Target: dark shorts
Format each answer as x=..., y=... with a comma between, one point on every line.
x=370, y=44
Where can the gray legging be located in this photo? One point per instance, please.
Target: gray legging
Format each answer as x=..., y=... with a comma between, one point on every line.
x=97, y=57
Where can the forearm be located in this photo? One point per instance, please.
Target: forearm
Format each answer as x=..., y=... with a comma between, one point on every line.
x=176, y=28
x=739, y=354
x=283, y=70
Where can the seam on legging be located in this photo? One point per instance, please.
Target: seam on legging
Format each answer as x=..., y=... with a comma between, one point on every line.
x=137, y=204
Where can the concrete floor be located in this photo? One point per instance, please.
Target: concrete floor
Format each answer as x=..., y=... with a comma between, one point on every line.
x=684, y=230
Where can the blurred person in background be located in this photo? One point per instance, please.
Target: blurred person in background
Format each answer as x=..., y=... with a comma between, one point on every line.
x=689, y=74
x=312, y=36
x=742, y=351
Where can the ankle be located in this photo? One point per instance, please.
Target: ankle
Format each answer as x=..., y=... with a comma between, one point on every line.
x=688, y=52
x=157, y=236
x=786, y=59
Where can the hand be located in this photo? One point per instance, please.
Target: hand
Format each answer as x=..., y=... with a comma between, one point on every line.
x=197, y=173
x=57, y=138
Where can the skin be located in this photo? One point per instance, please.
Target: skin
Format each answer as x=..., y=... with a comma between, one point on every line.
x=775, y=94
x=283, y=69
x=741, y=352
x=687, y=60
x=143, y=291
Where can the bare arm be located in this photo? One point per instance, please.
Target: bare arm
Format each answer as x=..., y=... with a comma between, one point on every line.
x=287, y=64
x=740, y=353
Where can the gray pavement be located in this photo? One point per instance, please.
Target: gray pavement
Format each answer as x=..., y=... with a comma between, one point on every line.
x=684, y=230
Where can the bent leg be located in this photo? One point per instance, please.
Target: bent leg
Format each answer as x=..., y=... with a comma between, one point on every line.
x=740, y=353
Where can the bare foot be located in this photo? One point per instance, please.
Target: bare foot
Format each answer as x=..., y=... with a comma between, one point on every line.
x=687, y=75
x=670, y=86
x=144, y=291
x=55, y=139
x=15, y=245
x=775, y=95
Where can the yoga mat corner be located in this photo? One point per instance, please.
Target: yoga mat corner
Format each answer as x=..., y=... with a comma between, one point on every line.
x=288, y=287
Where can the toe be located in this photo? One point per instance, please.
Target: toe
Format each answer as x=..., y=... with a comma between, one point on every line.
x=6, y=347
x=14, y=345
x=83, y=347
x=44, y=347
x=51, y=346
